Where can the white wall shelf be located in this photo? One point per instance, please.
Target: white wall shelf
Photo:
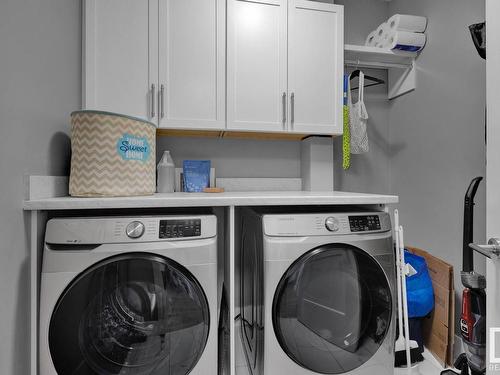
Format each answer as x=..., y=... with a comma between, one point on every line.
x=374, y=57
x=400, y=66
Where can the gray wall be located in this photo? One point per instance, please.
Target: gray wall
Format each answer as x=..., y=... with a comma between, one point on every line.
x=40, y=85
x=362, y=17
x=237, y=158
x=437, y=132
x=427, y=145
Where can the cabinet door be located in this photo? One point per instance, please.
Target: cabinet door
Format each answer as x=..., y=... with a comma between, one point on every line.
x=192, y=64
x=315, y=67
x=120, y=62
x=256, y=65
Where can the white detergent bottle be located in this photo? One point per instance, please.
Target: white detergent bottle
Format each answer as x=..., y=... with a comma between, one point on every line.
x=166, y=174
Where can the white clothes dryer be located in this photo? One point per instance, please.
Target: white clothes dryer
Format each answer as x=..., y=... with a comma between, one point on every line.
x=317, y=292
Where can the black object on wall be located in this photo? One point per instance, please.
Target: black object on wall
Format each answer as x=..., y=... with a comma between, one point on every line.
x=478, y=33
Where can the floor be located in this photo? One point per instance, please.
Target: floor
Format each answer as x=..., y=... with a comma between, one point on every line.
x=428, y=367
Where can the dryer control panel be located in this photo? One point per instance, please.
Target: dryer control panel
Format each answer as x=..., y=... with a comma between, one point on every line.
x=326, y=224
x=364, y=223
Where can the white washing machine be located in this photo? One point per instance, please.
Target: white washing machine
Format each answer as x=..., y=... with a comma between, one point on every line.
x=129, y=296
x=317, y=292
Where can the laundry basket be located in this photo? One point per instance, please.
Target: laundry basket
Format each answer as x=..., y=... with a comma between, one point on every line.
x=112, y=155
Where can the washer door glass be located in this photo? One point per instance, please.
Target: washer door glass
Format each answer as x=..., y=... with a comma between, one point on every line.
x=332, y=309
x=130, y=315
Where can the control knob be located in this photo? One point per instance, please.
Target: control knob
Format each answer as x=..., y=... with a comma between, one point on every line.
x=135, y=229
x=332, y=224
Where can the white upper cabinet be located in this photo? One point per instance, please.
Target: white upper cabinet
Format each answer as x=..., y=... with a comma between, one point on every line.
x=120, y=62
x=285, y=66
x=278, y=69
x=315, y=67
x=192, y=64
x=256, y=65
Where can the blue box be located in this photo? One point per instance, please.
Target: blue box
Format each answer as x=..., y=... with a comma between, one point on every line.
x=196, y=175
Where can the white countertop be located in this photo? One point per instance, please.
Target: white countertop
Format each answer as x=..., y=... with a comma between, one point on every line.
x=261, y=198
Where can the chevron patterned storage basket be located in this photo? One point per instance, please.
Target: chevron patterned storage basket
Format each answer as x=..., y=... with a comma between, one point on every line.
x=112, y=155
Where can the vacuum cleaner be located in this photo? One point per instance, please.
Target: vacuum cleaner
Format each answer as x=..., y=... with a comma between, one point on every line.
x=473, y=317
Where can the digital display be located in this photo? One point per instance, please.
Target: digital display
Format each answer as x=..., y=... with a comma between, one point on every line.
x=364, y=223
x=180, y=228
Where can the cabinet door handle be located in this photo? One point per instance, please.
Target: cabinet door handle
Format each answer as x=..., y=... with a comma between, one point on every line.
x=162, y=101
x=292, y=107
x=283, y=103
x=153, y=94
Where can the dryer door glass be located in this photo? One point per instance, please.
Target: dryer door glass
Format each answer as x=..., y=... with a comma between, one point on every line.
x=332, y=309
x=129, y=315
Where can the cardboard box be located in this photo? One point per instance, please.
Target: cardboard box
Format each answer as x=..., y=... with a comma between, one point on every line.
x=439, y=330
x=438, y=348
x=441, y=272
x=442, y=306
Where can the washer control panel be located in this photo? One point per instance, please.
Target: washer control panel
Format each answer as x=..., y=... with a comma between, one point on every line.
x=364, y=223
x=135, y=229
x=180, y=228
